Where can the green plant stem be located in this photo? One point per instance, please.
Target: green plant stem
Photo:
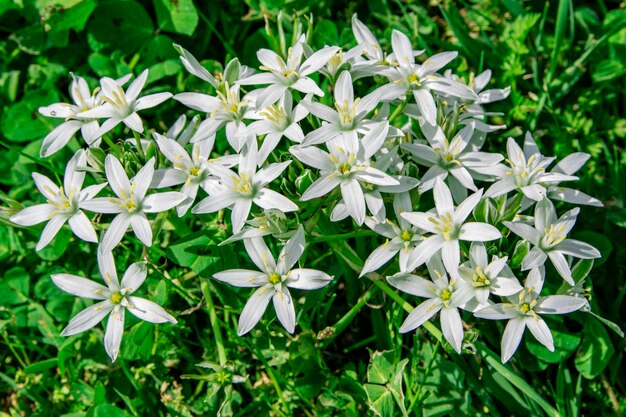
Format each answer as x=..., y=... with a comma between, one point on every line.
x=139, y=147
x=398, y=111
x=217, y=331
x=112, y=146
x=343, y=236
x=343, y=322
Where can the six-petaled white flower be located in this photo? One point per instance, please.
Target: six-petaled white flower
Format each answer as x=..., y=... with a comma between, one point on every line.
x=130, y=203
x=549, y=237
x=273, y=281
x=63, y=205
x=524, y=310
x=113, y=300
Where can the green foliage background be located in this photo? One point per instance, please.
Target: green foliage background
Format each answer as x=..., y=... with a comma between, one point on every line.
x=565, y=64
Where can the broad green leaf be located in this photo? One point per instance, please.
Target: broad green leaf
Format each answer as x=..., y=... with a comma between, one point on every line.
x=21, y=122
x=14, y=286
x=178, y=16
x=595, y=351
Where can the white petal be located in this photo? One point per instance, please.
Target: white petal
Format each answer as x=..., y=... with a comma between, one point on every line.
x=420, y=315
x=536, y=257
x=452, y=327
x=317, y=60
x=80, y=287
x=239, y=214
x=242, y=277
x=426, y=250
x=559, y=304
x=215, y=202
x=464, y=209
x=524, y=231
x=151, y=100
x=561, y=266
x=254, y=309
x=115, y=232
x=497, y=312
x=51, y=230
x=413, y=284
x=82, y=227
x=148, y=311
x=291, y=252
x=380, y=256
x=321, y=187
x=108, y=205
x=352, y=194
x=451, y=256
x=443, y=198
x=88, y=318
x=307, y=279
x=33, y=215
x=118, y=180
x=479, y=232
x=114, y=332
x=168, y=177
x=133, y=121
x=134, y=276
x=577, y=249
x=426, y=105
x=106, y=265
x=540, y=330
x=283, y=304
x=260, y=254
x=59, y=137
x=156, y=203
x=402, y=48
x=136, y=86
x=512, y=337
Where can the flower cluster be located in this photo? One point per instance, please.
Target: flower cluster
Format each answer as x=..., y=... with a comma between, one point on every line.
x=308, y=142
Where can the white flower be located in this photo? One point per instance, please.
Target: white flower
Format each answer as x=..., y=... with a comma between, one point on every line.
x=549, y=237
x=84, y=100
x=346, y=166
x=179, y=132
x=443, y=296
x=347, y=119
x=114, y=300
x=131, y=203
x=448, y=227
x=420, y=80
x=189, y=170
x=454, y=157
x=276, y=121
x=227, y=109
x=402, y=238
x=273, y=281
x=486, y=277
x=524, y=311
x=527, y=172
x=248, y=186
x=63, y=204
x=292, y=74
x=122, y=106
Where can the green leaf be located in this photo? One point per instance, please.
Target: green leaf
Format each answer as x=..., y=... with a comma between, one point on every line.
x=120, y=24
x=380, y=400
x=108, y=410
x=598, y=241
x=595, y=351
x=14, y=286
x=385, y=383
x=21, y=122
x=178, y=16
x=564, y=345
x=201, y=253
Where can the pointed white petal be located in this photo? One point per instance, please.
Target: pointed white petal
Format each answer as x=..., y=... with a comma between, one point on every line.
x=80, y=287
x=88, y=318
x=242, y=277
x=156, y=203
x=413, y=284
x=148, y=311
x=33, y=215
x=82, y=227
x=283, y=304
x=114, y=332
x=452, y=327
x=51, y=230
x=479, y=232
x=254, y=309
x=115, y=232
x=134, y=276
x=540, y=330
x=512, y=337
x=420, y=315
x=307, y=279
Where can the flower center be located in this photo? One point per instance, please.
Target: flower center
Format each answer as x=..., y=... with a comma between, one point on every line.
x=480, y=279
x=414, y=80
x=553, y=236
x=194, y=171
x=444, y=225
x=445, y=295
x=243, y=185
x=130, y=205
x=275, y=114
x=274, y=278
x=347, y=111
x=406, y=236
x=116, y=297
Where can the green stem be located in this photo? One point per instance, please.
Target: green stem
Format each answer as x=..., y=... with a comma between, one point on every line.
x=139, y=147
x=343, y=236
x=112, y=146
x=217, y=332
x=398, y=111
x=340, y=326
